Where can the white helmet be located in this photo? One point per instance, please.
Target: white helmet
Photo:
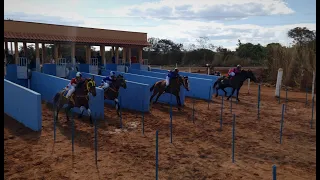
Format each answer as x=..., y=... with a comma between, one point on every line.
x=78, y=74
x=112, y=73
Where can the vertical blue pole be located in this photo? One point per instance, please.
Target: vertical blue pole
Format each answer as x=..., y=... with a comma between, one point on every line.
x=222, y=97
x=157, y=151
x=311, y=122
x=72, y=133
x=274, y=172
x=95, y=140
x=120, y=118
x=281, y=126
x=306, y=97
x=231, y=105
x=171, y=119
x=142, y=123
x=285, y=110
x=233, y=135
x=193, y=109
x=54, y=124
x=209, y=98
x=259, y=88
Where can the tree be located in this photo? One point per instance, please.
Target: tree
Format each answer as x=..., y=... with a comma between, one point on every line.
x=202, y=41
x=302, y=35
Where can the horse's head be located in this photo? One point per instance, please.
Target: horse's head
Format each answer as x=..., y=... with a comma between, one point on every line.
x=250, y=75
x=91, y=86
x=121, y=82
x=184, y=80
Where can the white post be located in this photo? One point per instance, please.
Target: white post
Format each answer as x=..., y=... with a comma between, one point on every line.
x=176, y=65
x=208, y=70
x=160, y=67
x=189, y=69
x=279, y=81
x=313, y=80
x=248, y=86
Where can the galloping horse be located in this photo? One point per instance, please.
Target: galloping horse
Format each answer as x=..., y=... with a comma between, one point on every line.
x=113, y=91
x=80, y=98
x=175, y=83
x=235, y=82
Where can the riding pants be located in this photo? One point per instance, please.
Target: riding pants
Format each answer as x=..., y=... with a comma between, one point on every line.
x=71, y=90
x=105, y=85
x=232, y=74
x=167, y=81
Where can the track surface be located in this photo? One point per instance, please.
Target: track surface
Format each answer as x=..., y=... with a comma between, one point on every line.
x=199, y=151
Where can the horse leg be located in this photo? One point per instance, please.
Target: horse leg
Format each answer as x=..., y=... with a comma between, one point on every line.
x=233, y=89
x=178, y=101
x=225, y=92
x=82, y=108
x=238, y=94
x=116, y=102
x=159, y=94
x=89, y=113
x=67, y=110
x=154, y=94
x=217, y=89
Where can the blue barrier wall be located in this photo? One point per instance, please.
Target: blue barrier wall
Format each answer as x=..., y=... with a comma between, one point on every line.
x=134, y=97
x=26, y=109
x=83, y=67
x=204, y=76
x=165, y=98
x=111, y=67
x=199, y=87
x=49, y=69
x=48, y=86
x=11, y=75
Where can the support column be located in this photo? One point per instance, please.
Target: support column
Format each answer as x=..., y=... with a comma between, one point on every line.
x=11, y=47
x=140, y=55
x=129, y=55
x=37, y=57
x=6, y=46
x=56, y=51
x=16, y=53
x=112, y=51
x=117, y=55
x=124, y=53
x=44, y=53
x=103, y=54
x=25, y=49
x=73, y=54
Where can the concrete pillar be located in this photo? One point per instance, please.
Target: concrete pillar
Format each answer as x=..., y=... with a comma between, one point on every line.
x=112, y=51
x=124, y=53
x=103, y=54
x=56, y=51
x=129, y=55
x=11, y=48
x=25, y=49
x=6, y=46
x=140, y=55
x=73, y=53
x=117, y=55
x=16, y=53
x=44, y=53
x=37, y=57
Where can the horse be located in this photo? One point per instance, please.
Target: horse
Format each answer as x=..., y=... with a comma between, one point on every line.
x=235, y=82
x=175, y=83
x=112, y=92
x=80, y=98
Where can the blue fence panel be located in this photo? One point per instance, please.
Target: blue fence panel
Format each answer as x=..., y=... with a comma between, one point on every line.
x=26, y=109
x=132, y=97
x=11, y=75
x=165, y=98
x=199, y=87
x=48, y=86
x=83, y=68
x=49, y=69
x=111, y=67
x=204, y=76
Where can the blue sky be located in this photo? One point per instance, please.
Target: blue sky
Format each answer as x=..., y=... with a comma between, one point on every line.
x=223, y=22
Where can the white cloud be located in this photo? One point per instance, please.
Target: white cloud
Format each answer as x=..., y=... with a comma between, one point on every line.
x=180, y=30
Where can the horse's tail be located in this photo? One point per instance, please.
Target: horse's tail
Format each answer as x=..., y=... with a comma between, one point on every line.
x=56, y=98
x=215, y=83
x=151, y=89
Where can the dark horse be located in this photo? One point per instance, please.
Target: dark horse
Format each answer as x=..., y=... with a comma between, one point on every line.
x=235, y=83
x=80, y=98
x=112, y=92
x=174, y=88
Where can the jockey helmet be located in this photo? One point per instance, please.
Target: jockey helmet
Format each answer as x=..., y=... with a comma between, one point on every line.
x=238, y=66
x=78, y=74
x=112, y=73
x=176, y=69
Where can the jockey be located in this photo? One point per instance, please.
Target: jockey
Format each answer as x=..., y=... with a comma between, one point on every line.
x=171, y=74
x=107, y=80
x=232, y=72
x=73, y=83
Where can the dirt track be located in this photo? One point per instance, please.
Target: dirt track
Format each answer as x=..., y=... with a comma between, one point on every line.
x=199, y=151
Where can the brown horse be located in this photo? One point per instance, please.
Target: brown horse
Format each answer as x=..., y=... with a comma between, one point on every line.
x=80, y=98
x=112, y=92
x=174, y=88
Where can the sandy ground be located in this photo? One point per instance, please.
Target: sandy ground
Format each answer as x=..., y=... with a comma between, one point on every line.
x=199, y=150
